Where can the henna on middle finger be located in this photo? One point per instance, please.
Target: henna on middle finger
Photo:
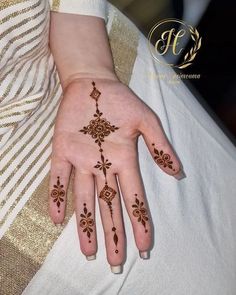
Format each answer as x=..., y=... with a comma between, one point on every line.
x=99, y=128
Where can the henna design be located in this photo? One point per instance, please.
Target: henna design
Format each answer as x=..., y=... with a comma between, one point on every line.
x=140, y=212
x=58, y=193
x=86, y=222
x=98, y=129
x=162, y=159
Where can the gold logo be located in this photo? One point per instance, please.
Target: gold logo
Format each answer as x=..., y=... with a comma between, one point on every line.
x=168, y=36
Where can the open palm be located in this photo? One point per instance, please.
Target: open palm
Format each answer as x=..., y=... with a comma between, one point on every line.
x=96, y=132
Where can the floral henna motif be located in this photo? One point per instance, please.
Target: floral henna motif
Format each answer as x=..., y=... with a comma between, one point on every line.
x=98, y=129
x=58, y=193
x=103, y=165
x=163, y=159
x=140, y=212
x=86, y=222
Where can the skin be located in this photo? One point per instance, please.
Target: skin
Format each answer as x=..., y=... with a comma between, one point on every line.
x=79, y=63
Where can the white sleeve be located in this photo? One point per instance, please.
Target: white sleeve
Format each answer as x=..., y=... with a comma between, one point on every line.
x=85, y=7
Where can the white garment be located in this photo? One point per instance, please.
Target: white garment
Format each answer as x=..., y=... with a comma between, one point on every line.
x=194, y=250
x=86, y=7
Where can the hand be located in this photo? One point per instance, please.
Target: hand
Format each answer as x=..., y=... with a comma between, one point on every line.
x=100, y=142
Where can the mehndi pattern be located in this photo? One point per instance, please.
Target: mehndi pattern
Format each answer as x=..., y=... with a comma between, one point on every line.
x=98, y=129
x=162, y=158
x=58, y=193
x=86, y=222
x=140, y=212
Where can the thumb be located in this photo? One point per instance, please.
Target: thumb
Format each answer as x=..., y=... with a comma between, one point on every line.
x=159, y=146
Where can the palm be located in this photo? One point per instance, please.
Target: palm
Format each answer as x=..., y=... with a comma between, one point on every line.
x=96, y=132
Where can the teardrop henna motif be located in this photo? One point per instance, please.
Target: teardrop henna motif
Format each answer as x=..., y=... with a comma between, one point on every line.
x=86, y=222
x=162, y=158
x=98, y=128
x=140, y=212
x=58, y=193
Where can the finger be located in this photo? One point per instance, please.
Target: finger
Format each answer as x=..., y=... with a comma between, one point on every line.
x=85, y=213
x=159, y=147
x=112, y=220
x=58, y=184
x=136, y=205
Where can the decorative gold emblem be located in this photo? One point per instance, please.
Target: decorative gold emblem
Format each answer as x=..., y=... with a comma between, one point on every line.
x=169, y=40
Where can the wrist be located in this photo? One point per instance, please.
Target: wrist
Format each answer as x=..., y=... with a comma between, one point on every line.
x=95, y=74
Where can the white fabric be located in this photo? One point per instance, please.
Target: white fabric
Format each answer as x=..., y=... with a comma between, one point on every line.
x=194, y=249
x=85, y=7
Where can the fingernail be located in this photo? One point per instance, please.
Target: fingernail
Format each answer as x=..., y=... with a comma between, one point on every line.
x=58, y=224
x=91, y=257
x=144, y=254
x=116, y=268
x=180, y=175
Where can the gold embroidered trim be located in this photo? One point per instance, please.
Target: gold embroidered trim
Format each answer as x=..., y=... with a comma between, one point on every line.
x=55, y=5
x=7, y=3
x=124, y=38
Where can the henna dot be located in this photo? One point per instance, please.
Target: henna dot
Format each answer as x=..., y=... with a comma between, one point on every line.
x=101, y=150
x=146, y=230
x=116, y=251
x=84, y=204
x=113, y=229
x=135, y=194
x=153, y=144
x=58, y=211
x=89, y=241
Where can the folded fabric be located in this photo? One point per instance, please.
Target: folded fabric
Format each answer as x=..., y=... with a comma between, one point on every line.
x=85, y=7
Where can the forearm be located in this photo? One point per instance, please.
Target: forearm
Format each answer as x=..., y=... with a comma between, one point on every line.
x=80, y=47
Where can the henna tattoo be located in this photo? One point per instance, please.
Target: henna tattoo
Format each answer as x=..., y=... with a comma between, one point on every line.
x=162, y=159
x=86, y=222
x=58, y=193
x=140, y=212
x=98, y=129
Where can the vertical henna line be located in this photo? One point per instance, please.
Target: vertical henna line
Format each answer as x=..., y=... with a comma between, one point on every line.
x=140, y=212
x=98, y=129
x=58, y=193
x=162, y=159
x=86, y=222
